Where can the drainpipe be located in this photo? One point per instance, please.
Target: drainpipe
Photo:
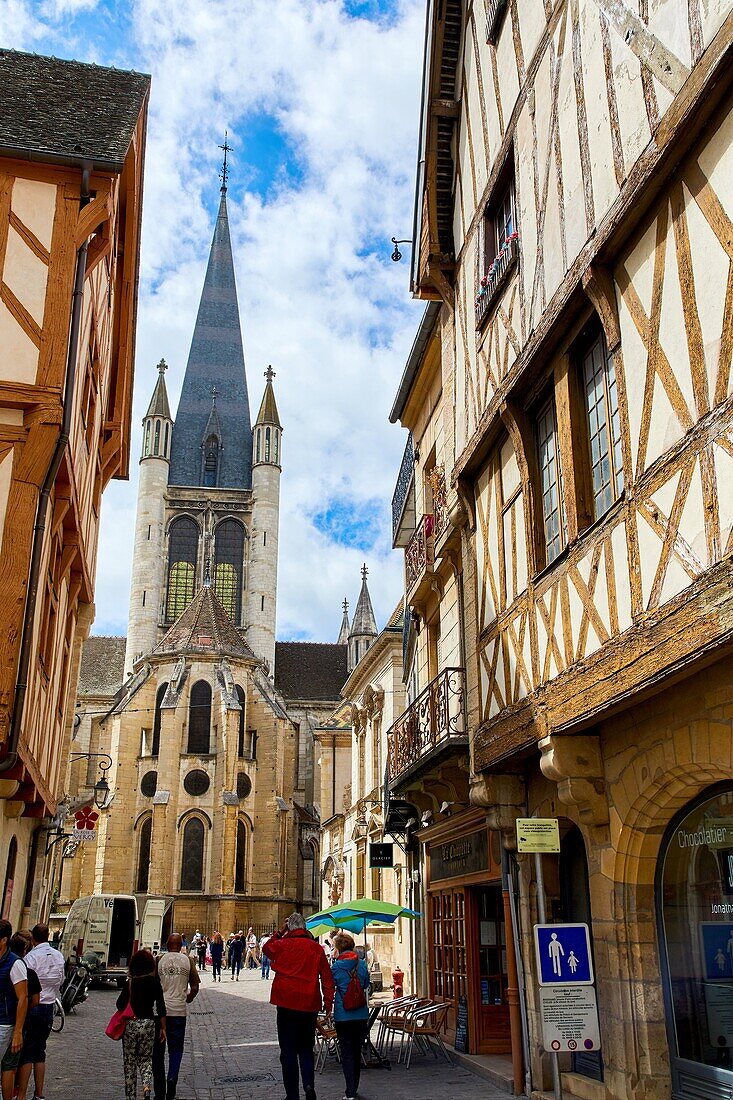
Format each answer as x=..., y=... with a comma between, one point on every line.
x=39, y=528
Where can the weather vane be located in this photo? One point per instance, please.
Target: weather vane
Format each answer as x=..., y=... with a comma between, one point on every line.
x=224, y=174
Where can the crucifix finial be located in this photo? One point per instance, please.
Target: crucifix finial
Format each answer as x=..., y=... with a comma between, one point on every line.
x=214, y=395
x=269, y=373
x=162, y=366
x=346, y=606
x=224, y=174
x=364, y=572
x=207, y=573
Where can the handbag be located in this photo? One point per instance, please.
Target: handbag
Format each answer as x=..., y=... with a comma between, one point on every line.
x=117, y=1024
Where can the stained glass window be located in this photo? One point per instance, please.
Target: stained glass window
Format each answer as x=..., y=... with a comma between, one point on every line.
x=228, y=561
x=183, y=542
x=199, y=718
x=240, y=867
x=242, y=715
x=159, y=697
x=192, y=859
x=143, y=858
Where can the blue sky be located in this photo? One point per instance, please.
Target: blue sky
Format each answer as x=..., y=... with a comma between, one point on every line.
x=320, y=98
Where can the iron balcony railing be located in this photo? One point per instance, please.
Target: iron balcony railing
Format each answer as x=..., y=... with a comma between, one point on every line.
x=501, y=267
x=419, y=553
x=436, y=717
x=403, y=499
x=440, y=502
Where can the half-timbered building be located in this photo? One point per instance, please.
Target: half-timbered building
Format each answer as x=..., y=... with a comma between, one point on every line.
x=72, y=140
x=573, y=229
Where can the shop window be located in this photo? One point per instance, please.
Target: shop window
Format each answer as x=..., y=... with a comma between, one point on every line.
x=192, y=855
x=240, y=868
x=228, y=563
x=183, y=541
x=199, y=719
x=600, y=393
x=694, y=892
x=143, y=857
x=548, y=458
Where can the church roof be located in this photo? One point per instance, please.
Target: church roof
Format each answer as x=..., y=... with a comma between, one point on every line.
x=204, y=627
x=102, y=667
x=364, y=621
x=268, y=413
x=215, y=363
x=68, y=112
x=159, y=401
x=310, y=670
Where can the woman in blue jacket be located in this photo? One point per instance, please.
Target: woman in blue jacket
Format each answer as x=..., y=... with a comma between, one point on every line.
x=351, y=1025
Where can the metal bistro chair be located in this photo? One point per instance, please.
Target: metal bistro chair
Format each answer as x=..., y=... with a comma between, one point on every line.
x=422, y=1025
x=326, y=1043
x=395, y=1024
x=387, y=1009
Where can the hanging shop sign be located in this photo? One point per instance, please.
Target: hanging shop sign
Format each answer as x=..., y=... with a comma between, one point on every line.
x=381, y=855
x=569, y=1018
x=466, y=855
x=85, y=821
x=538, y=834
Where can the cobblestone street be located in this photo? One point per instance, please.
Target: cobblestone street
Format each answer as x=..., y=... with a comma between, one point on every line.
x=231, y=1054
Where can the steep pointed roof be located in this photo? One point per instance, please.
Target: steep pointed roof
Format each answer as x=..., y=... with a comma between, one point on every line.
x=215, y=361
x=159, y=401
x=343, y=637
x=364, y=621
x=205, y=627
x=268, y=413
x=213, y=424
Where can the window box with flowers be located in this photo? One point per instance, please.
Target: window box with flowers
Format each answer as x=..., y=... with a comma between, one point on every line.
x=496, y=277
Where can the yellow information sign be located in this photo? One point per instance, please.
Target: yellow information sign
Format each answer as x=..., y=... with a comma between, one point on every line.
x=538, y=834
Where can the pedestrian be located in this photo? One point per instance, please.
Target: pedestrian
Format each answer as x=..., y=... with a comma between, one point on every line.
x=251, y=961
x=236, y=950
x=20, y=945
x=265, y=961
x=184, y=944
x=350, y=1008
x=180, y=983
x=48, y=963
x=303, y=985
x=13, y=997
x=145, y=993
x=198, y=943
x=217, y=953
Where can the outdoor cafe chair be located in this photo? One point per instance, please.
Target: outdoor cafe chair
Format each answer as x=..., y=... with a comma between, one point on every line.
x=395, y=1023
x=423, y=1025
x=326, y=1042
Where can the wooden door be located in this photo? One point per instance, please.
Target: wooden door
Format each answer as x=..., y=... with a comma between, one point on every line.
x=448, y=955
x=488, y=971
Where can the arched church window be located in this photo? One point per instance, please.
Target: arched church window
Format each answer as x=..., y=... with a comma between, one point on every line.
x=159, y=697
x=146, y=448
x=240, y=865
x=258, y=445
x=192, y=855
x=156, y=444
x=183, y=544
x=241, y=741
x=228, y=561
x=199, y=718
x=143, y=855
x=211, y=460
x=277, y=448
x=165, y=441
x=267, y=444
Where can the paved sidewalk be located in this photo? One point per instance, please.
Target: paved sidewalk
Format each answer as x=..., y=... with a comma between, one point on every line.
x=231, y=1054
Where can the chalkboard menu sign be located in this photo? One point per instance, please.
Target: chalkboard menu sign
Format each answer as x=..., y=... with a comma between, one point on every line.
x=468, y=855
x=461, y=1042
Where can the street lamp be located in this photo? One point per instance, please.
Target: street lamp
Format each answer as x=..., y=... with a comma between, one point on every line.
x=101, y=787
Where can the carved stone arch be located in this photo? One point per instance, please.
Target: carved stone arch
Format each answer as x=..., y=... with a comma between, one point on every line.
x=196, y=812
x=139, y=819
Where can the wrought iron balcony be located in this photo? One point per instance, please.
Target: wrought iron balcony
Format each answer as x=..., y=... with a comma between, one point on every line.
x=440, y=502
x=403, y=499
x=419, y=554
x=435, y=719
x=495, y=279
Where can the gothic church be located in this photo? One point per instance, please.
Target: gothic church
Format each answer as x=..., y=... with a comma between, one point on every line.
x=210, y=729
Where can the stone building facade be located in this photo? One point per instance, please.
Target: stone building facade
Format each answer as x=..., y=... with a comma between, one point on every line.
x=70, y=211
x=579, y=276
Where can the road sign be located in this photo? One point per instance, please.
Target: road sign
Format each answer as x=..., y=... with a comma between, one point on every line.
x=563, y=954
x=538, y=834
x=569, y=1018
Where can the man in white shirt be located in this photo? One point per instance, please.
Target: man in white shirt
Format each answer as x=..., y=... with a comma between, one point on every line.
x=48, y=964
x=180, y=980
x=13, y=994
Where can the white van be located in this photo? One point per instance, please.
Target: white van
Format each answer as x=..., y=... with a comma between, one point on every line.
x=108, y=926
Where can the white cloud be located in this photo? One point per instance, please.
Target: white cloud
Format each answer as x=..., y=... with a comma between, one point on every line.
x=332, y=317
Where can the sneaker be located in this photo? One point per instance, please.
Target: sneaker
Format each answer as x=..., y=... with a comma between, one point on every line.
x=310, y=1093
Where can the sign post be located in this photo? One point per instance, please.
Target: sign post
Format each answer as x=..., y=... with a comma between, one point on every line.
x=542, y=914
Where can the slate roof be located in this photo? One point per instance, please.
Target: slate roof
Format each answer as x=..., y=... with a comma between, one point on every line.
x=205, y=627
x=310, y=670
x=216, y=359
x=66, y=111
x=102, y=665
x=159, y=401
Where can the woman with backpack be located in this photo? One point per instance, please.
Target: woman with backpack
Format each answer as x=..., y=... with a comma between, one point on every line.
x=350, y=1008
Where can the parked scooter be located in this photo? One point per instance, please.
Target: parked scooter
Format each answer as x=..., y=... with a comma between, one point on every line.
x=75, y=986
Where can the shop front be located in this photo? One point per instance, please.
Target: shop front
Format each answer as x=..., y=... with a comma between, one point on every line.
x=694, y=889
x=470, y=944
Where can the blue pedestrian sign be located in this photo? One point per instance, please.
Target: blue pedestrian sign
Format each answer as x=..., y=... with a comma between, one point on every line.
x=563, y=954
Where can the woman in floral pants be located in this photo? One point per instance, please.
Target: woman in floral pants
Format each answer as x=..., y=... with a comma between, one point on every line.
x=145, y=992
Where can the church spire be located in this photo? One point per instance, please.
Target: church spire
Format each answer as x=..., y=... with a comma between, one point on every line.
x=216, y=359
x=364, y=626
x=343, y=638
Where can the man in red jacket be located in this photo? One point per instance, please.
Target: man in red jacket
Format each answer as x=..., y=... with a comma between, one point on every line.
x=303, y=985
